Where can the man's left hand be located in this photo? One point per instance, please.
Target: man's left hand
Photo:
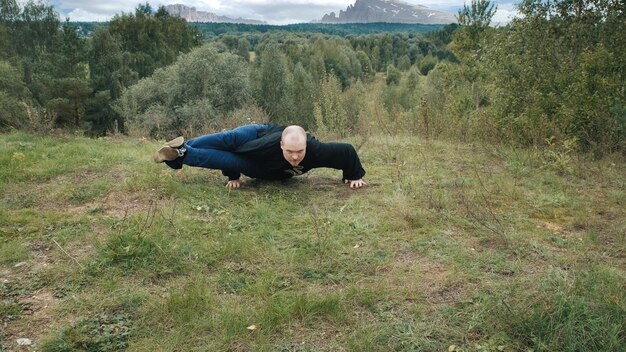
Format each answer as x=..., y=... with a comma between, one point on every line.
x=356, y=183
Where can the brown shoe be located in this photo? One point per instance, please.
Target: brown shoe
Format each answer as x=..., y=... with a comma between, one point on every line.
x=176, y=142
x=170, y=151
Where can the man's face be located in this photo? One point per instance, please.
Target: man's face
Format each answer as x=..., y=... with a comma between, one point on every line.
x=293, y=150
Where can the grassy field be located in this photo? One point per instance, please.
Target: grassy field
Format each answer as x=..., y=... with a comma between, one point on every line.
x=451, y=247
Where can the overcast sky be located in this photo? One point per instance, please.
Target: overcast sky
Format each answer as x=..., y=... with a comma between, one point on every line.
x=271, y=11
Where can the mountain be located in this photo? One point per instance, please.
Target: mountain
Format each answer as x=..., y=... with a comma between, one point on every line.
x=390, y=11
x=192, y=15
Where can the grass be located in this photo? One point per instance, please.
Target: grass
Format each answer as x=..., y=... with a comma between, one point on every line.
x=451, y=247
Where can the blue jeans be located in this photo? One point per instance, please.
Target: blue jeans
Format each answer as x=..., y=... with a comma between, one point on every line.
x=214, y=151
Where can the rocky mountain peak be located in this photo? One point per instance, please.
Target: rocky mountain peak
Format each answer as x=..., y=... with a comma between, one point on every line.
x=390, y=11
x=192, y=15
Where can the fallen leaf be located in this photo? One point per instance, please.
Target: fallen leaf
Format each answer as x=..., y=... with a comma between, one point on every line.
x=251, y=327
x=452, y=348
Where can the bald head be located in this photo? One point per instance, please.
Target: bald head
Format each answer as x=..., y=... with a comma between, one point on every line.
x=293, y=144
x=294, y=133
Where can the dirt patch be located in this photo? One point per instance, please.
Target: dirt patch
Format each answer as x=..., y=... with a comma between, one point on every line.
x=419, y=278
x=550, y=226
x=322, y=336
x=28, y=284
x=37, y=305
x=437, y=285
x=120, y=204
x=115, y=203
x=433, y=280
x=35, y=322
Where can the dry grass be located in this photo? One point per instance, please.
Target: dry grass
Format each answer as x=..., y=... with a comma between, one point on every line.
x=446, y=239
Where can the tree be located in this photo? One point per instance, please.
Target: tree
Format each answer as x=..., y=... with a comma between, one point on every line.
x=330, y=115
x=404, y=63
x=478, y=14
x=273, y=88
x=153, y=40
x=110, y=73
x=66, y=83
x=301, y=90
x=386, y=51
x=393, y=75
x=34, y=32
x=367, y=70
x=9, y=15
x=560, y=74
x=243, y=49
x=133, y=46
x=191, y=95
x=12, y=93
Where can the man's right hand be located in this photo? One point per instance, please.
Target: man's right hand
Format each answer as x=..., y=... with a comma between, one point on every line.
x=234, y=184
x=356, y=183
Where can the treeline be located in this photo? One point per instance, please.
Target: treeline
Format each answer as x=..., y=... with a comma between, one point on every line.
x=553, y=77
x=212, y=29
x=339, y=29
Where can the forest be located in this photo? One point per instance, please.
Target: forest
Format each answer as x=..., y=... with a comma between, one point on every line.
x=554, y=77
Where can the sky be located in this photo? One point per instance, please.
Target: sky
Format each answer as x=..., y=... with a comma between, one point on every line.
x=278, y=12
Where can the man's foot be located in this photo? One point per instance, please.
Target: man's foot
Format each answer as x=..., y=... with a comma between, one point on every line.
x=176, y=142
x=170, y=151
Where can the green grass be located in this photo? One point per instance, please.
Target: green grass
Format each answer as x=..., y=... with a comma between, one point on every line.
x=449, y=244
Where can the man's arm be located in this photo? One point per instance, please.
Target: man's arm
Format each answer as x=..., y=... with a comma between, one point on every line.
x=341, y=156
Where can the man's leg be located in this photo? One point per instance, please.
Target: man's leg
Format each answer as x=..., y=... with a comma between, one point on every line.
x=213, y=151
x=227, y=140
x=219, y=160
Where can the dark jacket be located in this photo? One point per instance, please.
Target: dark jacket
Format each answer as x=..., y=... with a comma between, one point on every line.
x=266, y=152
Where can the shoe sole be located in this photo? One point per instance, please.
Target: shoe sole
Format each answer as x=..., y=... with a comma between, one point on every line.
x=165, y=154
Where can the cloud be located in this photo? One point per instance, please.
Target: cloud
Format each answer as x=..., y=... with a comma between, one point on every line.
x=504, y=14
x=80, y=15
x=272, y=11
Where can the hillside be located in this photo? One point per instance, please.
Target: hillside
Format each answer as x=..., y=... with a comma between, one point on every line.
x=452, y=247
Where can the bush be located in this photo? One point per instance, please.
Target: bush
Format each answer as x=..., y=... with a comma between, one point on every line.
x=200, y=89
x=393, y=75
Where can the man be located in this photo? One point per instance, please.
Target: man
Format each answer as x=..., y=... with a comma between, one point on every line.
x=263, y=151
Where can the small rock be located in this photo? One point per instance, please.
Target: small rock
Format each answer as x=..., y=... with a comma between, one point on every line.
x=24, y=342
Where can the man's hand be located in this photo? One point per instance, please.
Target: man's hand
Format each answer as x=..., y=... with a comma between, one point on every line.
x=234, y=184
x=356, y=183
